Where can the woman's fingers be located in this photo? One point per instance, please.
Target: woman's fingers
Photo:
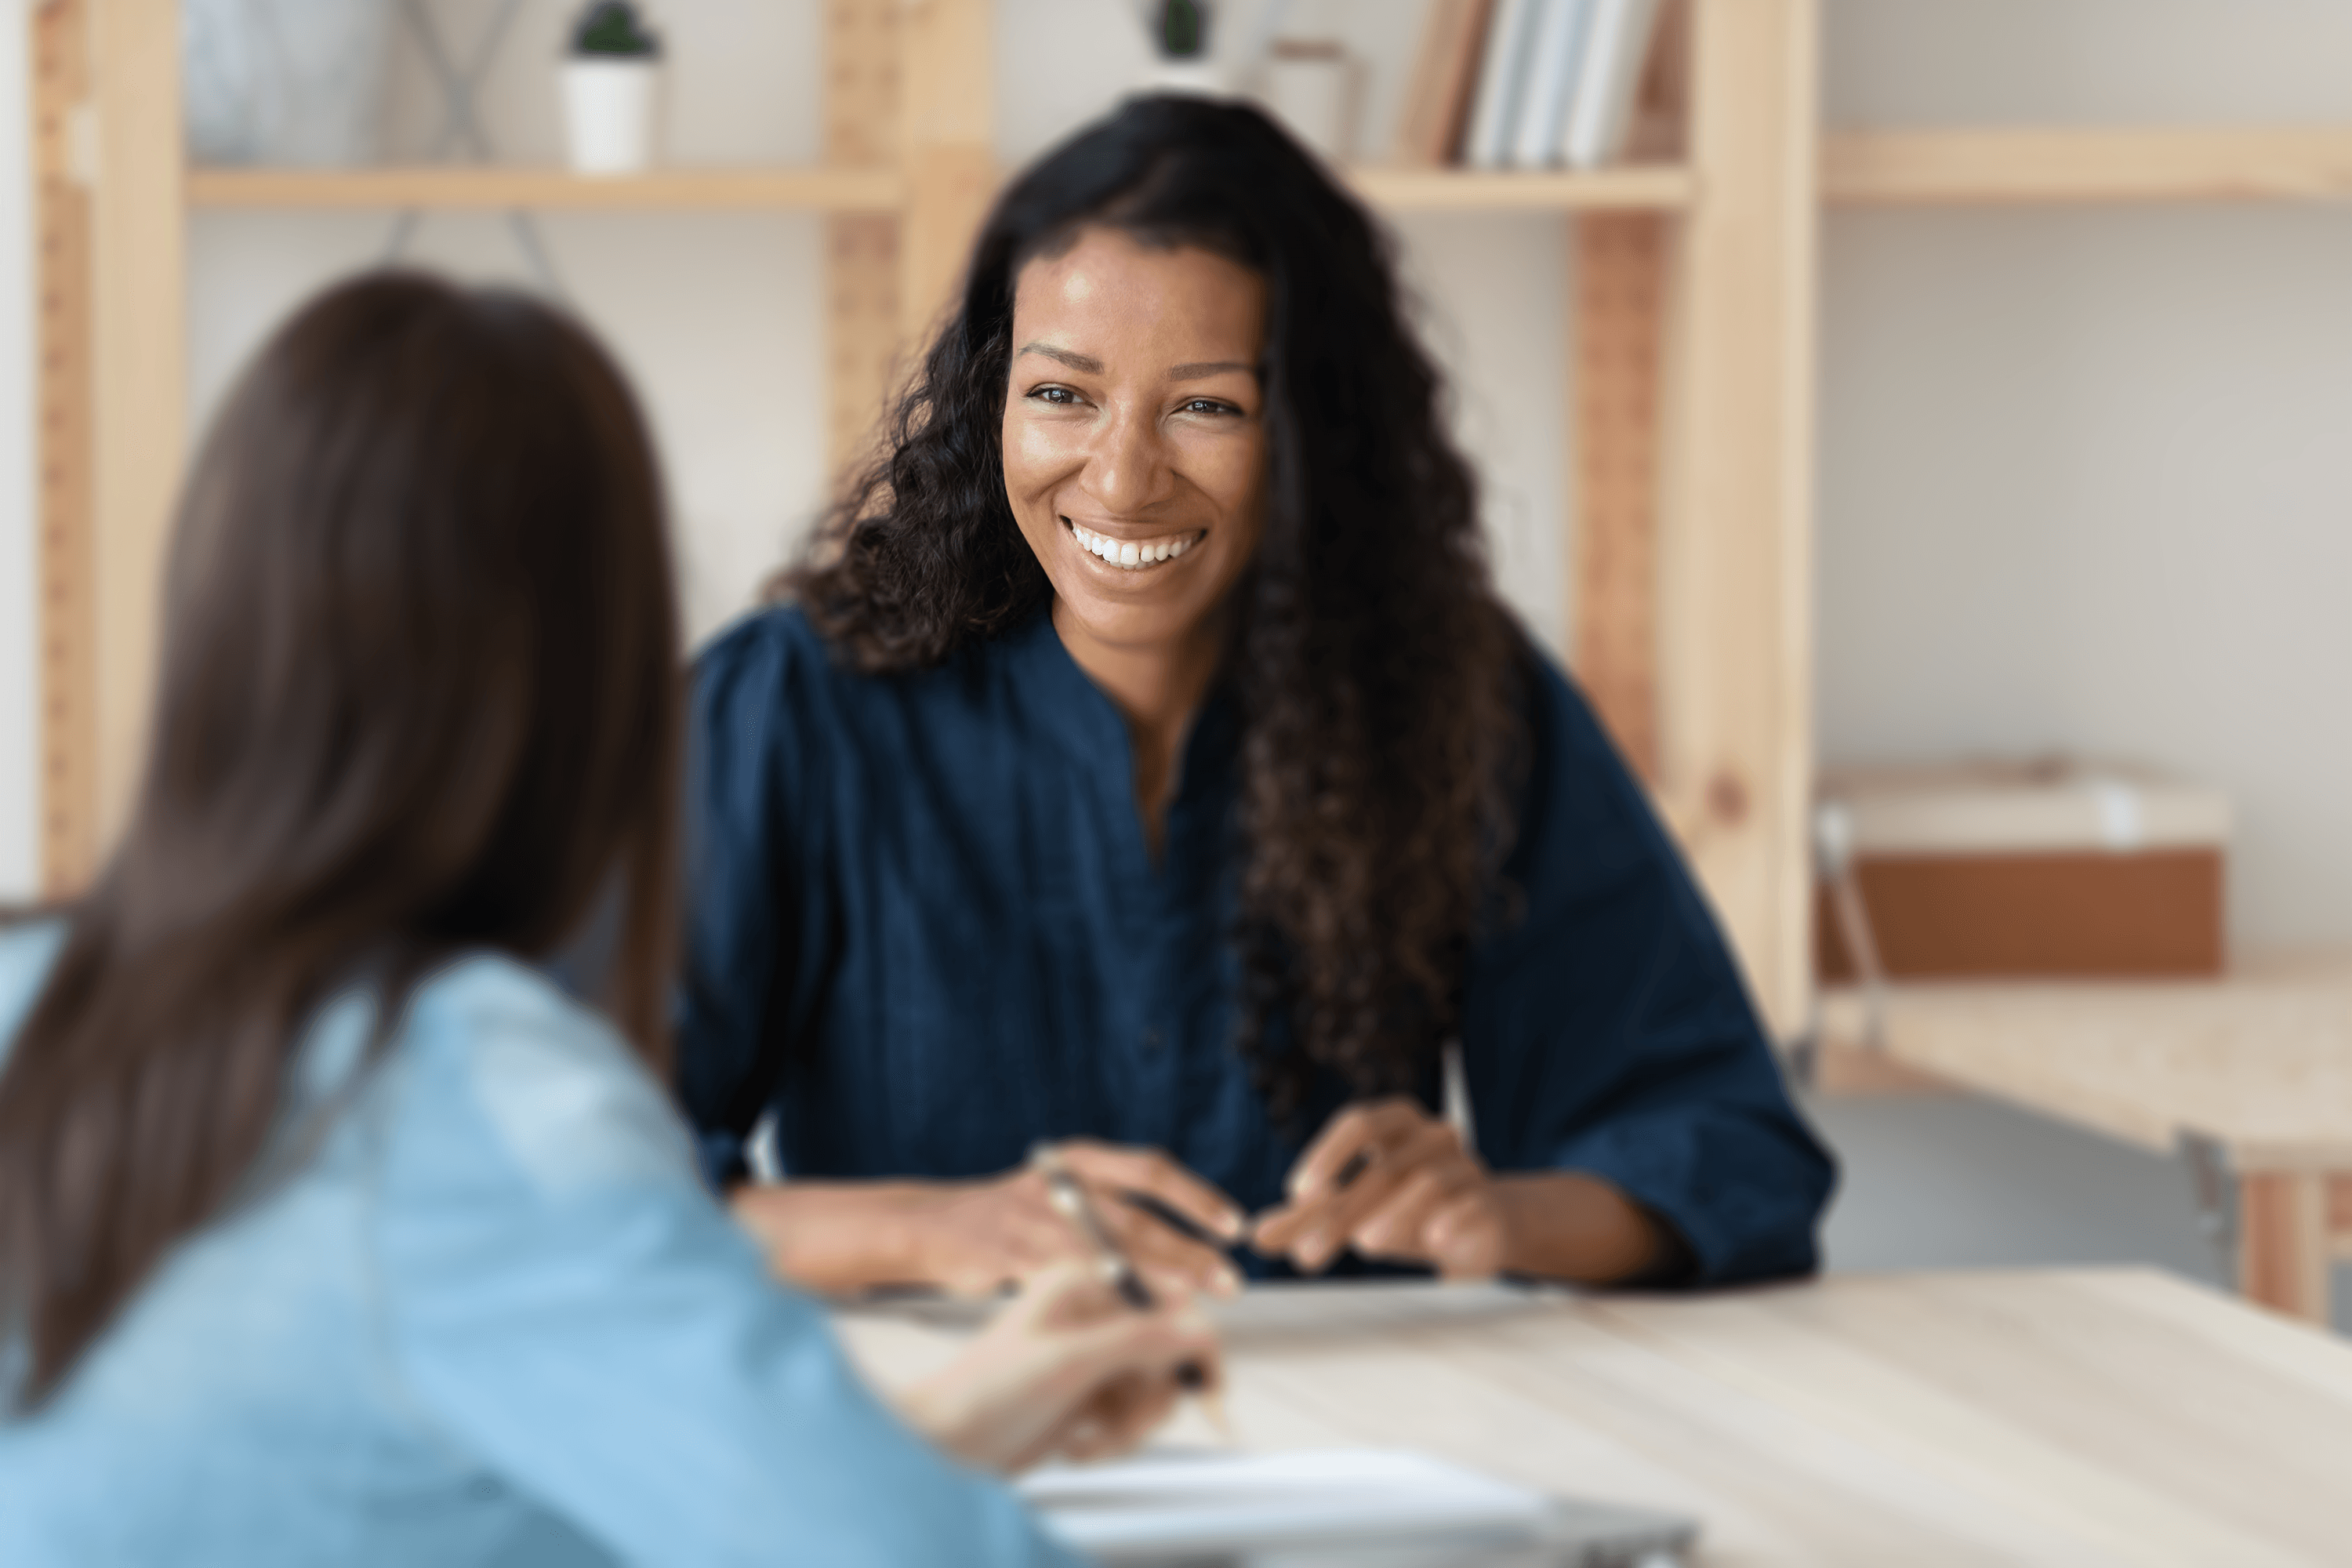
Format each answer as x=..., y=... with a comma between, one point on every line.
x=1066, y=1365
x=1464, y=1237
x=1398, y=1227
x=1358, y=1129
x=1166, y=1256
x=1113, y=1168
x=1117, y=1378
x=1388, y=1145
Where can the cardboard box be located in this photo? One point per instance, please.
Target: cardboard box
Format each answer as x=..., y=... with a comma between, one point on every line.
x=2016, y=869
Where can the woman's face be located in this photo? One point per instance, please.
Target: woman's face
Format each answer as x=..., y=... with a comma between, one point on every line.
x=1135, y=432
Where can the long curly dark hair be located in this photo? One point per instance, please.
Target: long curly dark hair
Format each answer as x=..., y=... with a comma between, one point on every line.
x=1373, y=662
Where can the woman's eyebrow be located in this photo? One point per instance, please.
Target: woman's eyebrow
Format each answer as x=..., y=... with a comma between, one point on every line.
x=1077, y=361
x=1208, y=368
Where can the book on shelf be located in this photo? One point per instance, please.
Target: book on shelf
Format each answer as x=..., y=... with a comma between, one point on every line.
x=1556, y=82
x=1552, y=80
x=1502, y=74
x=1616, y=49
x=1445, y=75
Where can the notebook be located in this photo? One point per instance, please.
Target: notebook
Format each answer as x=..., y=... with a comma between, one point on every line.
x=1367, y=1508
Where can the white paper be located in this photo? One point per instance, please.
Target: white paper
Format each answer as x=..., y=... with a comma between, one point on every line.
x=1215, y=1502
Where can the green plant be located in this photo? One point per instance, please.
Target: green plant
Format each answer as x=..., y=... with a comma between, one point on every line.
x=612, y=28
x=1184, y=29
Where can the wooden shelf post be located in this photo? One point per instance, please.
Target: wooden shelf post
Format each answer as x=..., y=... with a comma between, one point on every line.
x=1735, y=739
x=946, y=120
x=861, y=259
x=68, y=633
x=140, y=363
x=114, y=386
x=1617, y=331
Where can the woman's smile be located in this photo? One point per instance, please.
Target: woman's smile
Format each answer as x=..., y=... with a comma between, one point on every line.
x=1133, y=554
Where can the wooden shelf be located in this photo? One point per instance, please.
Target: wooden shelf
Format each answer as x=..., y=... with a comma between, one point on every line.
x=1653, y=187
x=1628, y=187
x=2260, y=1059
x=812, y=188
x=2038, y=166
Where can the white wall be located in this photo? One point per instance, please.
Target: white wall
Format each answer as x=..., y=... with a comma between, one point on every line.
x=20, y=775
x=2087, y=476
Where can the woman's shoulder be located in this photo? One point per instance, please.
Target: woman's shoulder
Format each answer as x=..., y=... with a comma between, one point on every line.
x=771, y=686
x=1579, y=802
x=490, y=1046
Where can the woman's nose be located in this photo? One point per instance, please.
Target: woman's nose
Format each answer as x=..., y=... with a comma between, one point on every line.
x=1127, y=466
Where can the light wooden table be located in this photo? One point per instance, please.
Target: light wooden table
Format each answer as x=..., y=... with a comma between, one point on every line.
x=2063, y=1418
x=2256, y=1067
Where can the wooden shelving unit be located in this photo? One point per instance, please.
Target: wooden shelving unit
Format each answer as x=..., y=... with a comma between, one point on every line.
x=1691, y=333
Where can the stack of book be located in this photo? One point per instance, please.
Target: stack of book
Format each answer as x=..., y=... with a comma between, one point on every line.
x=1527, y=84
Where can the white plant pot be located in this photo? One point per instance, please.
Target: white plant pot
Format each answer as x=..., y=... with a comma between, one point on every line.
x=1197, y=77
x=612, y=113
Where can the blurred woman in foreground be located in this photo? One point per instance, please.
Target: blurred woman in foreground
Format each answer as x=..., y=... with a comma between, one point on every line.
x=328, y=1229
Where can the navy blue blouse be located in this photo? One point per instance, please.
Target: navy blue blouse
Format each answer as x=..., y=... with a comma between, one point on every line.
x=925, y=930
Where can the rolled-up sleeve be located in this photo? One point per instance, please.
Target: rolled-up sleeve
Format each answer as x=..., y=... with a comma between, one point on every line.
x=1606, y=1028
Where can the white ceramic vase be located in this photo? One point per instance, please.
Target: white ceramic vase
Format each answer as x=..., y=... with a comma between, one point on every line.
x=612, y=110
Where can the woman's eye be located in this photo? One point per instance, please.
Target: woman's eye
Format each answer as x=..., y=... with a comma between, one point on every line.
x=1060, y=396
x=1209, y=405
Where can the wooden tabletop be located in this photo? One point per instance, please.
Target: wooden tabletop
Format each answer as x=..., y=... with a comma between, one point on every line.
x=2060, y=1417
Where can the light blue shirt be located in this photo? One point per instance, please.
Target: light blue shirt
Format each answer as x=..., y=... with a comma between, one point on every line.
x=477, y=1308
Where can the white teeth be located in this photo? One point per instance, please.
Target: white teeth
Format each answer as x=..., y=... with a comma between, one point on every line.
x=1133, y=557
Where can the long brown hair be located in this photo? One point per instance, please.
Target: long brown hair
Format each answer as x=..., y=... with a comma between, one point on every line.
x=1377, y=669
x=417, y=697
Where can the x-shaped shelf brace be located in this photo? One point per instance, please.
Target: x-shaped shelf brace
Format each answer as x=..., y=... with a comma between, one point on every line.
x=462, y=131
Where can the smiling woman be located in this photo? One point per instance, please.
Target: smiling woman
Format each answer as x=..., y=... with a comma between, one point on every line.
x=1146, y=758
x=1134, y=438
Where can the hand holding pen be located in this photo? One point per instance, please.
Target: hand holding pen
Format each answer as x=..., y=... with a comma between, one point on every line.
x=1065, y=1369
x=1068, y=1195
x=972, y=1238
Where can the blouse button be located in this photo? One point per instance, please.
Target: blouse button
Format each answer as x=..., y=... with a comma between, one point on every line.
x=1153, y=1042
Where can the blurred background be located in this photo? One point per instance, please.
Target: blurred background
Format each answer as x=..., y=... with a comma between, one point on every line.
x=2083, y=479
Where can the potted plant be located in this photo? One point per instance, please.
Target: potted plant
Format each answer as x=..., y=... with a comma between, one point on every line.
x=612, y=82
x=1180, y=38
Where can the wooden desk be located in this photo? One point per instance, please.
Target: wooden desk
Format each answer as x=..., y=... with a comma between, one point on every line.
x=2258, y=1064
x=2066, y=1418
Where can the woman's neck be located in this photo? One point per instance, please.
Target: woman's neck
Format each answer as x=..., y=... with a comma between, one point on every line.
x=1158, y=688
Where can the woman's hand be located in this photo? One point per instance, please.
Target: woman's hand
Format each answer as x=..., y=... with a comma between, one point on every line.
x=1393, y=1182
x=1065, y=1369
x=975, y=1238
